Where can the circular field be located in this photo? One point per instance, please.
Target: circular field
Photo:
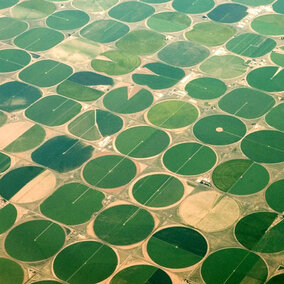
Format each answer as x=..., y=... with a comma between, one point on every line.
x=53, y=110
x=219, y=129
x=142, y=142
x=277, y=279
x=104, y=31
x=274, y=117
x=265, y=146
x=47, y=282
x=233, y=265
x=95, y=124
x=5, y=162
x=10, y=27
x=270, y=24
x=189, y=159
x=15, y=96
x=278, y=7
x=94, y=5
x=109, y=171
x=206, y=88
x=62, y=154
x=45, y=73
x=3, y=118
x=141, y=42
x=72, y=204
x=158, y=76
x=268, y=78
x=224, y=66
x=240, y=177
x=33, y=9
x=158, y=190
x=210, y=33
x=228, y=13
x=30, y=139
x=247, y=103
x=8, y=216
x=39, y=39
x=183, y=53
x=123, y=225
x=126, y=100
x=85, y=262
x=8, y=3
x=192, y=6
x=254, y=2
x=177, y=247
x=172, y=114
x=274, y=196
x=67, y=20
x=34, y=240
x=116, y=62
x=251, y=45
x=261, y=232
x=209, y=211
x=131, y=11
x=141, y=274
x=10, y=271
x=168, y=22
x=277, y=56
x=13, y=59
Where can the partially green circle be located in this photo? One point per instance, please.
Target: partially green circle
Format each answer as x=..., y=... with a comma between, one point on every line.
x=33, y=9
x=123, y=225
x=189, y=158
x=183, y=53
x=269, y=24
x=109, y=171
x=247, y=103
x=251, y=45
x=233, y=265
x=240, y=177
x=142, y=142
x=219, y=129
x=254, y=2
x=228, y=13
x=168, y=22
x=177, y=247
x=13, y=59
x=277, y=56
x=85, y=262
x=277, y=279
x=10, y=272
x=264, y=146
x=141, y=274
x=278, y=7
x=261, y=232
x=94, y=5
x=8, y=3
x=206, y=88
x=268, y=78
x=172, y=114
x=3, y=118
x=104, y=31
x=141, y=42
x=47, y=282
x=120, y=100
x=5, y=162
x=34, y=240
x=210, y=33
x=192, y=6
x=274, y=117
x=224, y=66
x=67, y=20
x=158, y=190
x=8, y=216
x=131, y=11
x=10, y=27
x=274, y=196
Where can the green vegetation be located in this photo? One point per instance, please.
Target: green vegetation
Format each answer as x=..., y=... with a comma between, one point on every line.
x=109, y=171
x=3, y=118
x=278, y=7
x=94, y=5
x=193, y=6
x=10, y=271
x=189, y=159
x=13, y=59
x=254, y=2
x=5, y=162
x=210, y=33
x=142, y=142
x=240, y=177
x=274, y=196
x=277, y=57
x=8, y=216
x=10, y=27
x=270, y=24
x=274, y=117
x=72, y=204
